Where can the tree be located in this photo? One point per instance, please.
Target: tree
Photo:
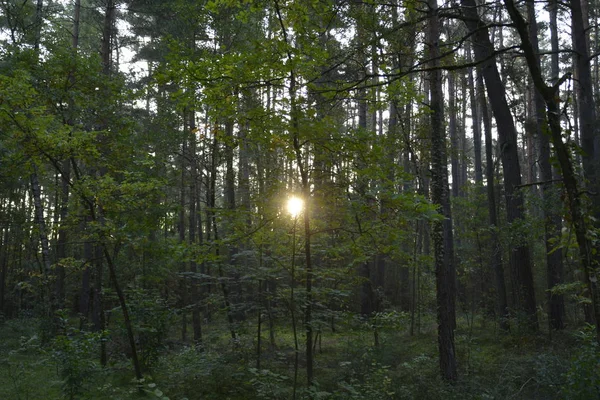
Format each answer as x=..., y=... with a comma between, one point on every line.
x=442, y=228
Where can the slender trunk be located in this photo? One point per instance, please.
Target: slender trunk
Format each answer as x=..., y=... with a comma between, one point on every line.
x=462, y=135
x=192, y=226
x=552, y=219
x=441, y=230
x=181, y=228
x=496, y=259
x=476, y=121
x=212, y=220
x=98, y=318
x=125, y=311
x=40, y=221
x=4, y=255
x=107, y=37
x=39, y=19
x=84, y=292
x=61, y=245
x=555, y=275
x=293, y=306
x=452, y=130
x=590, y=140
x=259, y=324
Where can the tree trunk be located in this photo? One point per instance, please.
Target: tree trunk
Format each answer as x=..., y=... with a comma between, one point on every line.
x=496, y=259
x=4, y=255
x=40, y=221
x=181, y=229
x=590, y=139
x=452, y=130
x=192, y=226
x=476, y=118
x=552, y=219
x=212, y=221
x=441, y=230
x=61, y=245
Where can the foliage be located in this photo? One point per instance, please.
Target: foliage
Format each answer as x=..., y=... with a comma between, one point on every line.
x=153, y=319
x=24, y=363
x=582, y=379
x=74, y=355
x=269, y=385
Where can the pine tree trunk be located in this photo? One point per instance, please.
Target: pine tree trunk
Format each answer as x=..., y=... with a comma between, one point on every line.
x=192, y=226
x=441, y=230
x=496, y=258
x=40, y=221
x=476, y=118
x=4, y=255
x=552, y=219
x=181, y=229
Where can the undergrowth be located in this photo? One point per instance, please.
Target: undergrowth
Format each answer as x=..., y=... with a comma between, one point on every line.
x=348, y=365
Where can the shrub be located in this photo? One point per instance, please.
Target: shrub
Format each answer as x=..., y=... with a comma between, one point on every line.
x=582, y=379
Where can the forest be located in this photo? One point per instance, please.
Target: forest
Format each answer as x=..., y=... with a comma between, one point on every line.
x=299, y=199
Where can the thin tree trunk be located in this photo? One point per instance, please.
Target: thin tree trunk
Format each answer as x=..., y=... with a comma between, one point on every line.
x=84, y=292
x=125, y=311
x=476, y=120
x=39, y=19
x=441, y=230
x=61, y=245
x=452, y=130
x=196, y=323
x=496, y=259
x=552, y=219
x=4, y=256
x=98, y=318
x=590, y=146
x=212, y=220
x=181, y=228
x=40, y=221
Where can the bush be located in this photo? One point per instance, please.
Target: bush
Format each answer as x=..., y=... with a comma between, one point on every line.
x=75, y=356
x=582, y=380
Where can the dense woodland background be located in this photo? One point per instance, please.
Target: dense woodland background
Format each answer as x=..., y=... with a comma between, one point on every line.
x=447, y=156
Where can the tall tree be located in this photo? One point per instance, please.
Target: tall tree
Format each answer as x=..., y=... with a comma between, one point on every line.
x=552, y=225
x=442, y=229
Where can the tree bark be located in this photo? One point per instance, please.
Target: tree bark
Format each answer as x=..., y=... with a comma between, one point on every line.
x=181, y=230
x=496, y=258
x=552, y=219
x=40, y=220
x=192, y=226
x=476, y=118
x=441, y=229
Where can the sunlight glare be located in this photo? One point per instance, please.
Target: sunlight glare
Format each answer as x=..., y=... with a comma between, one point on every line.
x=295, y=206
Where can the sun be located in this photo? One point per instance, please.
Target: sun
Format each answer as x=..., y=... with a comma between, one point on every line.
x=295, y=206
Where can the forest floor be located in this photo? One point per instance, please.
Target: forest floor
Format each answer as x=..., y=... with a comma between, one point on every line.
x=347, y=365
